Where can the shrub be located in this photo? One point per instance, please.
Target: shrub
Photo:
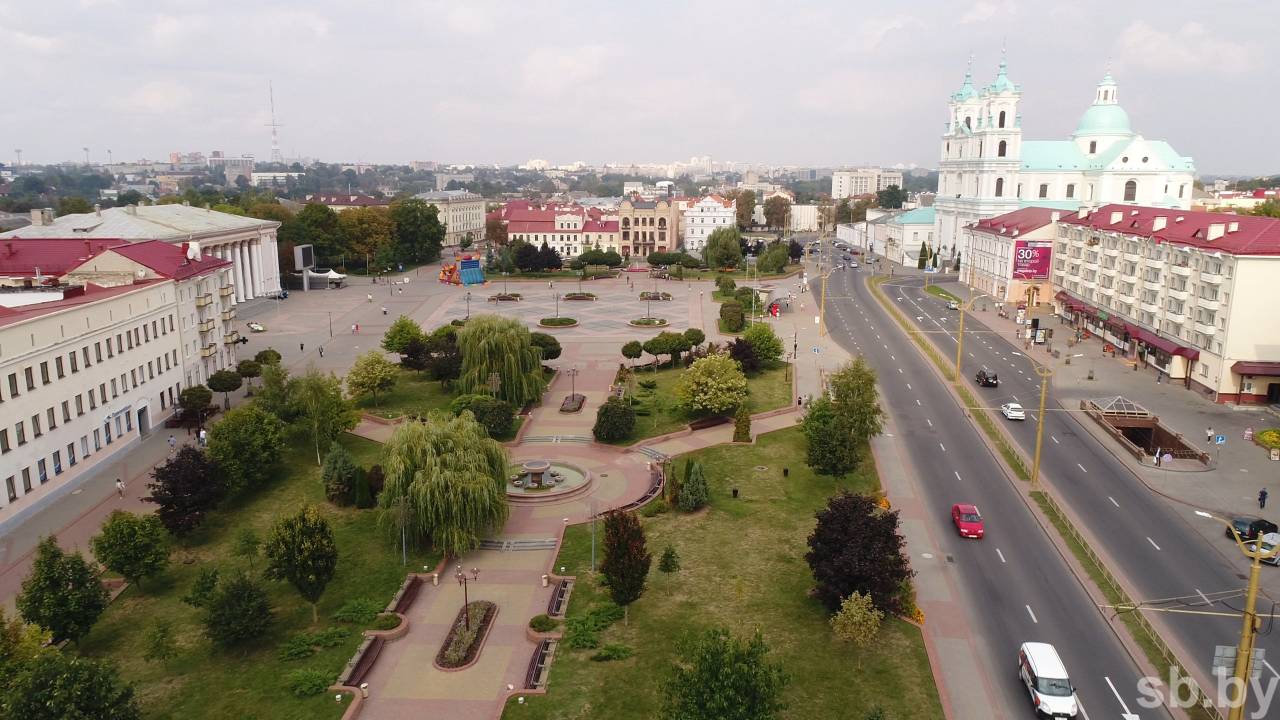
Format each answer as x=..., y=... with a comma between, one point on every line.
x=615, y=420
x=584, y=632
x=613, y=651
x=237, y=612
x=363, y=494
x=548, y=344
x=742, y=425
x=495, y=415
x=1269, y=438
x=306, y=683
x=557, y=322
x=543, y=623
x=655, y=508
x=360, y=611
x=725, y=283
x=732, y=316
x=295, y=648
x=464, y=402
x=766, y=344
x=745, y=296
x=206, y=582
x=386, y=621
x=649, y=384
x=694, y=493
x=339, y=475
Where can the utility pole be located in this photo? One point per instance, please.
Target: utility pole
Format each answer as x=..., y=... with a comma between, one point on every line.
x=86, y=155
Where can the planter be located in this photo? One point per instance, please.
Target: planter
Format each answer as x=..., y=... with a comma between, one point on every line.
x=649, y=322
x=573, y=403
x=579, y=296
x=560, y=322
x=649, y=295
x=462, y=648
x=506, y=297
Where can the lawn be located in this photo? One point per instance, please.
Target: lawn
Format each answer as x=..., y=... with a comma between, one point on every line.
x=768, y=389
x=414, y=393
x=742, y=568
x=740, y=274
x=942, y=293
x=203, y=682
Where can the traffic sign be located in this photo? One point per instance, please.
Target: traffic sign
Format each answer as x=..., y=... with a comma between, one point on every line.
x=816, y=349
x=1220, y=440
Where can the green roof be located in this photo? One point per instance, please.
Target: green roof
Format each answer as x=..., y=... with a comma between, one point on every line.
x=918, y=216
x=1104, y=120
x=1052, y=155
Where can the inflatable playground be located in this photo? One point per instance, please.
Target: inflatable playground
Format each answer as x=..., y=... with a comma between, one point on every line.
x=466, y=272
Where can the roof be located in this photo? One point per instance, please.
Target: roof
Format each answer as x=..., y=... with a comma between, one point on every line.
x=1253, y=234
x=142, y=222
x=918, y=216
x=1018, y=222
x=1046, y=659
x=448, y=195
x=169, y=260
x=348, y=200
x=1052, y=155
x=1104, y=120
x=52, y=256
x=75, y=296
x=1256, y=367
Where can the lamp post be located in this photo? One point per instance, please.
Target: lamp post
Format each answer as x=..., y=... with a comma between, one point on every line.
x=573, y=381
x=504, y=282
x=1249, y=626
x=466, y=598
x=557, y=298
x=468, y=305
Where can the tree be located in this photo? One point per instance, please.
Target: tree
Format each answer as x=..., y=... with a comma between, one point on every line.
x=526, y=257
x=321, y=408
x=713, y=384
x=891, y=197
x=185, y=489
x=135, y=546
x=416, y=357
x=246, y=445
x=725, y=283
x=454, y=477
x=203, y=588
x=497, y=416
x=269, y=356
x=746, y=208
x=549, y=259
x=742, y=425
x=694, y=337
x=401, y=333
x=339, y=475
x=444, y=359
x=159, y=645
x=301, y=550
x=857, y=621
x=795, y=251
x=615, y=420
x=625, y=566
x=831, y=448
x=495, y=231
x=273, y=392
x=225, y=382
x=237, y=612
x=775, y=211
x=497, y=345
x=73, y=205
x=370, y=374
x=632, y=351
x=194, y=401
x=249, y=369
x=855, y=547
x=723, y=249
x=20, y=643
x=856, y=399
x=745, y=354
x=247, y=545
x=694, y=494
x=766, y=344
x=774, y=259
x=718, y=677
x=1269, y=208
x=62, y=594
x=732, y=316
x=367, y=230
x=419, y=234
x=669, y=562
x=667, y=343
x=58, y=686
x=317, y=225
x=548, y=344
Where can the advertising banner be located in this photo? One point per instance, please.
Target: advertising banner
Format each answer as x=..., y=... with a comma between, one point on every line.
x=1032, y=259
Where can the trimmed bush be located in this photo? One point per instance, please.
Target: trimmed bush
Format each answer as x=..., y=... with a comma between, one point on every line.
x=732, y=316
x=543, y=623
x=558, y=322
x=615, y=420
x=496, y=416
x=386, y=621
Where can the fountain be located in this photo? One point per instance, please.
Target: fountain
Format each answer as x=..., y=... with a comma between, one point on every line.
x=545, y=479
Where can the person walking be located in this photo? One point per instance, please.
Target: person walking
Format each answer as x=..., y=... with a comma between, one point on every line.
x=302, y=348
x=1208, y=434
x=120, y=487
x=204, y=437
x=173, y=445
x=321, y=349
x=353, y=328
x=1262, y=499
x=370, y=296
x=384, y=309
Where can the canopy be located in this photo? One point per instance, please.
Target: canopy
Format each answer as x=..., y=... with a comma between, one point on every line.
x=1256, y=367
x=334, y=275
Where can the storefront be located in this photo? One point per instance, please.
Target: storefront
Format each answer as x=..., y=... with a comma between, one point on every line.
x=1258, y=382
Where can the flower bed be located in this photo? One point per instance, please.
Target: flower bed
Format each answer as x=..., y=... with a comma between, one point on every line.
x=1269, y=438
x=650, y=295
x=557, y=322
x=572, y=404
x=579, y=296
x=506, y=297
x=649, y=322
x=461, y=646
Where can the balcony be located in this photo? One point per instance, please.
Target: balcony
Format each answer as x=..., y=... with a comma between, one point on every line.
x=208, y=351
x=1179, y=294
x=1153, y=285
x=228, y=315
x=1153, y=263
x=231, y=338
x=1176, y=318
x=1183, y=270
x=1208, y=304
x=1092, y=265
x=1126, y=297
x=1108, y=291
x=226, y=291
x=1152, y=308
x=205, y=326
x=1211, y=278
x=1111, y=252
x=204, y=300
x=1204, y=329
x=1091, y=284
x=1133, y=257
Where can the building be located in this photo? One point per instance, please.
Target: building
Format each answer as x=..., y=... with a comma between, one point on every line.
x=568, y=229
x=345, y=201
x=804, y=218
x=248, y=243
x=232, y=167
x=705, y=217
x=443, y=179
x=863, y=181
x=1188, y=292
x=461, y=211
x=988, y=169
x=871, y=235
x=648, y=226
x=273, y=179
x=1011, y=255
x=87, y=374
x=909, y=236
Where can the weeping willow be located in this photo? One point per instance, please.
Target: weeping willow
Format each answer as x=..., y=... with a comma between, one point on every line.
x=491, y=344
x=451, y=477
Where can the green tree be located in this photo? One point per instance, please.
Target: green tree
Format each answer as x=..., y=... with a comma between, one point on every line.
x=547, y=344
x=718, y=677
x=830, y=445
x=497, y=416
x=247, y=545
x=135, y=546
x=495, y=231
x=159, y=644
x=742, y=425
x=856, y=399
x=419, y=234
x=73, y=205
x=857, y=621
x=1269, y=208
x=891, y=197
x=669, y=562
x=401, y=333
x=273, y=392
x=225, y=382
x=694, y=493
x=367, y=230
x=62, y=594
x=321, y=408
x=725, y=283
x=775, y=211
x=20, y=643
x=766, y=344
x=202, y=590
x=443, y=358
x=795, y=251
x=317, y=225
x=632, y=350
x=246, y=446
x=746, y=208
x=454, y=478
x=371, y=374
x=625, y=566
x=194, y=401
x=185, y=488
x=694, y=337
x=237, y=612
x=855, y=547
x=60, y=686
x=301, y=550
x=713, y=384
x=615, y=420
x=723, y=248
x=338, y=473
x=249, y=369
x=497, y=345
x=732, y=316
x=269, y=356
x=774, y=259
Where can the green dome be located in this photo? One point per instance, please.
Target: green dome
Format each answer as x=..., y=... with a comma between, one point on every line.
x=1104, y=120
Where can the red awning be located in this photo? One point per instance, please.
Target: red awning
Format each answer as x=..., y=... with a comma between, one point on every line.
x=1247, y=367
x=1169, y=346
x=1062, y=295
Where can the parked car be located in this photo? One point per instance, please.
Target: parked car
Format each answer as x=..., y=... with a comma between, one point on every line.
x=1249, y=528
x=951, y=305
x=987, y=378
x=1046, y=680
x=1013, y=411
x=853, y=264
x=1269, y=542
x=968, y=520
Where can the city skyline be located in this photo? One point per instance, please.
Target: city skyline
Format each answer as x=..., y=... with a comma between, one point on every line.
x=827, y=86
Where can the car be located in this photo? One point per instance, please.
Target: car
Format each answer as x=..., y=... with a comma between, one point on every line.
x=1013, y=411
x=952, y=305
x=1269, y=542
x=1045, y=677
x=968, y=520
x=1249, y=528
x=853, y=264
x=987, y=378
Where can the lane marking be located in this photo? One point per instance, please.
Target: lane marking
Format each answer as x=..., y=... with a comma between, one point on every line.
x=908, y=386
x=957, y=472
x=1207, y=601
x=1153, y=543
x=1015, y=398
x=1081, y=468
x=918, y=403
x=1113, y=501
x=892, y=357
x=1033, y=615
x=944, y=447
x=1119, y=699
x=899, y=370
x=1054, y=438
x=929, y=421
x=1000, y=554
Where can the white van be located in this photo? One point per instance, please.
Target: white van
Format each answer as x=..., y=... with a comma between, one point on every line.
x=1269, y=542
x=1045, y=678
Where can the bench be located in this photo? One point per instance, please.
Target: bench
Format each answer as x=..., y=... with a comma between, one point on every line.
x=655, y=487
x=367, y=655
x=559, y=596
x=410, y=593
x=538, y=664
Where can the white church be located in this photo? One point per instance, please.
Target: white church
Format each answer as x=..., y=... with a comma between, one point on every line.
x=987, y=168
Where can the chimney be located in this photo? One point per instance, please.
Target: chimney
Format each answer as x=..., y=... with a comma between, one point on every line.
x=1215, y=231
x=1233, y=226
x=46, y=216
x=1159, y=223
x=131, y=209
x=37, y=216
x=1116, y=216
x=1082, y=212
x=1053, y=217
x=97, y=209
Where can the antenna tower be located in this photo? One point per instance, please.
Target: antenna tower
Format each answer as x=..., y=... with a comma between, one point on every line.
x=276, y=155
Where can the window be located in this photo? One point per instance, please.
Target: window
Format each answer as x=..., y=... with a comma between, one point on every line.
x=13, y=493
x=119, y=427
x=106, y=430
x=968, y=123
x=20, y=433
x=35, y=426
x=1071, y=190
x=115, y=391
x=75, y=365
x=84, y=446
x=42, y=470
x=57, y=462
x=4, y=440
x=57, y=364
x=30, y=377
x=1003, y=148
x=1131, y=191
x=97, y=439
x=111, y=351
x=1093, y=147
x=80, y=404
x=97, y=352
x=1044, y=190
x=1000, y=185
x=66, y=411
x=71, y=453
x=1001, y=124
x=1182, y=189
x=102, y=393
x=13, y=385
x=44, y=372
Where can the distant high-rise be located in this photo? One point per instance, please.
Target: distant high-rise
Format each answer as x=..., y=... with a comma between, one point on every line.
x=276, y=155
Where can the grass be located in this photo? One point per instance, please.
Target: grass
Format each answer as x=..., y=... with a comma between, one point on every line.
x=414, y=393
x=204, y=682
x=557, y=322
x=939, y=292
x=767, y=390
x=742, y=568
x=740, y=274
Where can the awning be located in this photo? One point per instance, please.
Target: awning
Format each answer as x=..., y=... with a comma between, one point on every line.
x=1062, y=295
x=1167, y=345
x=1256, y=367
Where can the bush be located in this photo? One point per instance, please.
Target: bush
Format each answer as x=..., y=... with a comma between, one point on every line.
x=725, y=284
x=745, y=296
x=548, y=344
x=649, y=384
x=306, y=683
x=339, y=475
x=694, y=492
x=613, y=651
x=766, y=344
x=359, y=611
x=202, y=589
x=237, y=612
x=543, y=623
x=655, y=508
x=363, y=493
x=464, y=402
x=557, y=322
x=386, y=621
x=1269, y=438
x=584, y=632
x=496, y=416
x=615, y=420
x=732, y=315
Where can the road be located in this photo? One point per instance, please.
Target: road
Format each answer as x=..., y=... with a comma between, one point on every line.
x=1017, y=587
x=1148, y=539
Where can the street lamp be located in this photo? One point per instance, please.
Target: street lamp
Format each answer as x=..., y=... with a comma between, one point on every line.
x=557, y=297
x=466, y=601
x=468, y=305
x=1249, y=627
x=573, y=382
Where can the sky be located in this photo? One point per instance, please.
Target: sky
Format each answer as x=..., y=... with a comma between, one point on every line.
x=471, y=81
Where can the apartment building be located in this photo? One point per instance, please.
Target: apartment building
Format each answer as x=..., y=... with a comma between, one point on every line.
x=339, y=202
x=863, y=181
x=1188, y=292
x=1011, y=256
x=461, y=211
x=649, y=226
x=568, y=229
x=705, y=217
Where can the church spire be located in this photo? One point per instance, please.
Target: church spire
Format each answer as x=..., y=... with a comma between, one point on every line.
x=1002, y=82
x=1107, y=90
x=966, y=90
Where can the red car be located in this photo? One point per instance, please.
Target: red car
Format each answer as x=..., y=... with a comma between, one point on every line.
x=968, y=520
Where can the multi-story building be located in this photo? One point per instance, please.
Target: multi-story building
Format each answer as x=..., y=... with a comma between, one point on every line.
x=863, y=181
x=705, y=217
x=461, y=211
x=870, y=235
x=232, y=167
x=273, y=179
x=249, y=244
x=987, y=169
x=1188, y=292
x=1011, y=255
x=568, y=229
x=648, y=226
x=345, y=201
x=443, y=179
x=88, y=373
x=909, y=235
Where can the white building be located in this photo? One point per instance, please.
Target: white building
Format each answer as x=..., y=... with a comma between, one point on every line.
x=705, y=217
x=804, y=218
x=987, y=168
x=909, y=235
x=461, y=211
x=249, y=244
x=1011, y=255
x=863, y=181
x=273, y=179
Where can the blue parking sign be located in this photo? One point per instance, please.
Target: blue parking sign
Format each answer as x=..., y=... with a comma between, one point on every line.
x=1220, y=440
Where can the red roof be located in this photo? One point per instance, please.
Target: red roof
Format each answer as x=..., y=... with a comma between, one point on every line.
x=169, y=260
x=53, y=256
x=73, y=297
x=348, y=200
x=1252, y=234
x=1018, y=222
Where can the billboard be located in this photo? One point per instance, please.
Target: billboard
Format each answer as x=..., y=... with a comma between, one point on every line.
x=1032, y=259
x=303, y=257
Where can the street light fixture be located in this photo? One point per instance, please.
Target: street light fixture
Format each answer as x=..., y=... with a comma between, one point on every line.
x=573, y=382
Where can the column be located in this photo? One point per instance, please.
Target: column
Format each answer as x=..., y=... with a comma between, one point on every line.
x=249, y=290
x=238, y=267
x=255, y=265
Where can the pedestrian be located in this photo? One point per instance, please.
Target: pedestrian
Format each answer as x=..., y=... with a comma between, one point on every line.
x=357, y=328
x=1208, y=434
x=302, y=347
x=370, y=296
x=1262, y=499
x=173, y=445
x=353, y=328
x=204, y=437
x=400, y=291
x=799, y=401
x=384, y=309
x=120, y=487
x=549, y=285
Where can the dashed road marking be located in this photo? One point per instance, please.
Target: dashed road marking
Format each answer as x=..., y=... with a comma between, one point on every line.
x=1081, y=468
x=1033, y=615
x=944, y=447
x=1113, y=501
x=1054, y=438
x=1153, y=543
x=929, y=421
x=957, y=472
x=1000, y=554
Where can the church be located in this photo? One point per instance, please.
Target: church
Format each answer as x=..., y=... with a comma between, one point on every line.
x=987, y=168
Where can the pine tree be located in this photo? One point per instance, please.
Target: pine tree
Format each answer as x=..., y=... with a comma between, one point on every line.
x=694, y=493
x=742, y=425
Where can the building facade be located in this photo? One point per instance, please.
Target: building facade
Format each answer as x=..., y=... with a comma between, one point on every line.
x=461, y=211
x=648, y=226
x=705, y=217
x=339, y=202
x=1011, y=255
x=909, y=235
x=566, y=228
x=863, y=181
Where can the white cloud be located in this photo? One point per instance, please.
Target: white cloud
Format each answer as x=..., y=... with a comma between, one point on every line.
x=273, y=21
x=558, y=70
x=1191, y=45
x=174, y=30
x=983, y=11
x=30, y=42
x=156, y=98
x=874, y=31
x=470, y=19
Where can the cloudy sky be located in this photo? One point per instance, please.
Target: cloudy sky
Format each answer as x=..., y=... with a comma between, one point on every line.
x=807, y=83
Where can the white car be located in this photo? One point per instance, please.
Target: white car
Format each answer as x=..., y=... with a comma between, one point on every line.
x=854, y=264
x=1013, y=411
x=952, y=305
x=1269, y=542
